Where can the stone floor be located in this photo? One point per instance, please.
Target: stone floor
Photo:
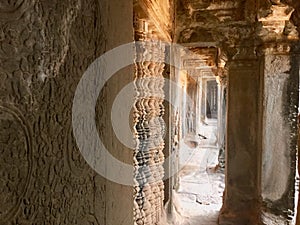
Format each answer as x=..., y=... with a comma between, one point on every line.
x=199, y=196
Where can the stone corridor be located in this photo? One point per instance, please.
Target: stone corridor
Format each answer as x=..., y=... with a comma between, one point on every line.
x=216, y=82
x=198, y=198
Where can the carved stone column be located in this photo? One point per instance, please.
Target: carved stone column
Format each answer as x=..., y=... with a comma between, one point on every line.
x=149, y=129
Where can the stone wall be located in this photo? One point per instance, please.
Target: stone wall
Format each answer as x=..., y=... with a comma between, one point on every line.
x=45, y=47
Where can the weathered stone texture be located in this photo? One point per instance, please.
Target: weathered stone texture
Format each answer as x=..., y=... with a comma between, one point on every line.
x=151, y=28
x=276, y=165
x=45, y=46
x=279, y=133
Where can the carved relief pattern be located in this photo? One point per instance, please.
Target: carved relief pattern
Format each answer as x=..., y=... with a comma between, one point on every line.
x=149, y=128
x=43, y=177
x=276, y=22
x=15, y=161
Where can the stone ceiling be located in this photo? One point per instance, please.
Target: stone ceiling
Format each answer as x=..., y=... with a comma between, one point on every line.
x=230, y=21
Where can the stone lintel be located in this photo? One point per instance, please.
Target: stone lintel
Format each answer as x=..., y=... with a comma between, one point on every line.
x=158, y=17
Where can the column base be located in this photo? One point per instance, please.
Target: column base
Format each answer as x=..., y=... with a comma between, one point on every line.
x=247, y=217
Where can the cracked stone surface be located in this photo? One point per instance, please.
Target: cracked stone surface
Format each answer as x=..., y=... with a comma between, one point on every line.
x=199, y=197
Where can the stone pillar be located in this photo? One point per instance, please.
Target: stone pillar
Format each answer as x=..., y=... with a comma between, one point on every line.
x=244, y=113
x=198, y=106
x=281, y=79
x=261, y=136
x=149, y=130
x=222, y=85
x=176, y=96
x=262, y=121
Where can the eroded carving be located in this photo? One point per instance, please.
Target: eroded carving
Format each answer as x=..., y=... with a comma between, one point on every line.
x=15, y=161
x=149, y=129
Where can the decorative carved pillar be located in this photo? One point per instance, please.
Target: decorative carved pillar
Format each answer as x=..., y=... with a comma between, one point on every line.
x=149, y=129
x=244, y=113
